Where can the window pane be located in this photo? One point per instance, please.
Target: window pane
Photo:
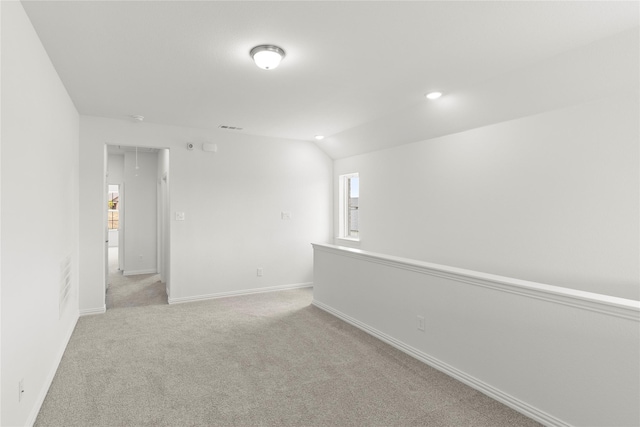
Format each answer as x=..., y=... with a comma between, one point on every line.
x=348, y=206
x=354, y=194
x=113, y=215
x=113, y=219
x=354, y=187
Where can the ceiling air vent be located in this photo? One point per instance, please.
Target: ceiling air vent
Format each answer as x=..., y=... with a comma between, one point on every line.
x=229, y=127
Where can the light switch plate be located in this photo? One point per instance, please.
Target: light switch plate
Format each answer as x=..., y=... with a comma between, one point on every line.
x=179, y=216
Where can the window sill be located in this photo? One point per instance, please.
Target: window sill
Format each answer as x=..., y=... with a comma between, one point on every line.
x=349, y=239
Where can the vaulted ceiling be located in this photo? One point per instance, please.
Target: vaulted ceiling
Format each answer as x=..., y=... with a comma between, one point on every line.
x=355, y=71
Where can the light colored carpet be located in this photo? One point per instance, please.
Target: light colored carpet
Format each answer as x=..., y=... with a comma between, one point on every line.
x=135, y=291
x=259, y=360
x=132, y=291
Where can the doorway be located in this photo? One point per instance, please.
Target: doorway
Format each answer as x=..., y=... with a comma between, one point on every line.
x=113, y=228
x=137, y=253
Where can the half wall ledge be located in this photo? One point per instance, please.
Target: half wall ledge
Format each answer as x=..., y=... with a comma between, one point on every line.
x=560, y=356
x=614, y=306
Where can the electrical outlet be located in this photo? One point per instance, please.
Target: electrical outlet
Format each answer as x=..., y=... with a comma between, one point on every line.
x=421, y=323
x=259, y=272
x=286, y=216
x=20, y=389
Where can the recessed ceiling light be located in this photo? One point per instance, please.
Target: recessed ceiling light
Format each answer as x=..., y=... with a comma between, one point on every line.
x=433, y=95
x=138, y=118
x=319, y=137
x=267, y=56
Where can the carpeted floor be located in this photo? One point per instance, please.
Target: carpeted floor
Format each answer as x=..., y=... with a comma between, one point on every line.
x=135, y=291
x=132, y=291
x=267, y=359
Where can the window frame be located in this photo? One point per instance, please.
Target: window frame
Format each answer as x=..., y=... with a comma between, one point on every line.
x=344, y=211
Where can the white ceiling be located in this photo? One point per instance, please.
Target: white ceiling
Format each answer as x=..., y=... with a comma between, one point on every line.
x=355, y=71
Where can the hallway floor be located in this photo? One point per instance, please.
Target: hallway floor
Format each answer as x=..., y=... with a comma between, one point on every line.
x=133, y=291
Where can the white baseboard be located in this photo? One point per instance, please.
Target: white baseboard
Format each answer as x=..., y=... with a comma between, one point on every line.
x=494, y=393
x=43, y=392
x=136, y=272
x=91, y=311
x=239, y=293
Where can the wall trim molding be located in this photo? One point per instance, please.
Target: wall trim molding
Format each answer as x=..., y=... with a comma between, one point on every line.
x=181, y=300
x=134, y=272
x=92, y=311
x=605, y=304
x=494, y=393
x=49, y=380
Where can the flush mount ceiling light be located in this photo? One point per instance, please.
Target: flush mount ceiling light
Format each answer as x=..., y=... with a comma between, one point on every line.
x=267, y=56
x=319, y=137
x=433, y=95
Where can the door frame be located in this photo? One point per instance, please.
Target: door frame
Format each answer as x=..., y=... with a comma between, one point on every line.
x=163, y=236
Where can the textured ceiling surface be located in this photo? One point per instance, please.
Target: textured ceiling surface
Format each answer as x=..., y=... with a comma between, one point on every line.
x=354, y=71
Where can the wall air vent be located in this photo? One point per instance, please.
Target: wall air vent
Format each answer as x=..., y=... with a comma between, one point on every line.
x=229, y=127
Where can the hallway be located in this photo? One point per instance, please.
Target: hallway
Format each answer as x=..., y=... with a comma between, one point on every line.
x=132, y=291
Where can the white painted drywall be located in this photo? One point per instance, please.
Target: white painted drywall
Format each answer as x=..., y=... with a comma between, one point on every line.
x=115, y=169
x=562, y=356
x=1, y=102
x=164, y=218
x=140, y=217
x=92, y=215
x=551, y=198
x=113, y=238
x=603, y=67
x=39, y=216
x=232, y=202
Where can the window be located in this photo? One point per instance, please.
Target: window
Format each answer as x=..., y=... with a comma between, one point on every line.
x=113, y=214
x=349, y=196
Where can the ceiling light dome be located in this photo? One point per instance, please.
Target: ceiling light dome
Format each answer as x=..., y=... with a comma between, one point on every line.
x=267, y=56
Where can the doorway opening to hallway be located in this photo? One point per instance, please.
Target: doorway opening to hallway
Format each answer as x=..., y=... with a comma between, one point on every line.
x=137, y=253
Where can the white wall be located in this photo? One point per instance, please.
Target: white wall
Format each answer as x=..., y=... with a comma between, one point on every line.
x=115, y=169
x=92, y=215
x=232, y=201
x=140, y=218
x=560, y=356
x=1, y=213
x=39, y=216
x=164, y=217
x=551, y=198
